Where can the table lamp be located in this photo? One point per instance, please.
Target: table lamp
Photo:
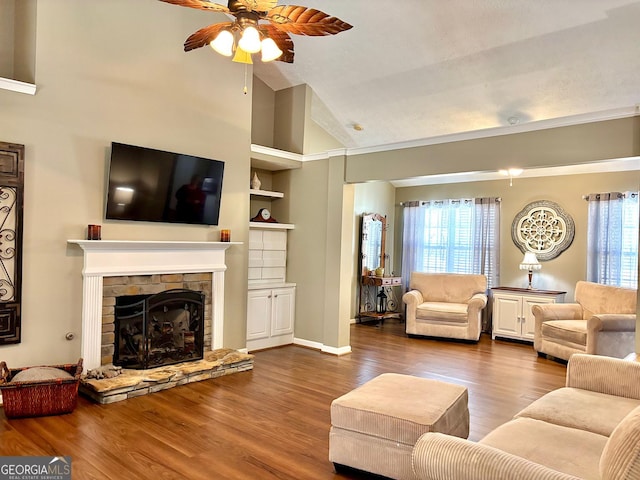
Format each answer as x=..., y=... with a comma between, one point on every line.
x=530, y=263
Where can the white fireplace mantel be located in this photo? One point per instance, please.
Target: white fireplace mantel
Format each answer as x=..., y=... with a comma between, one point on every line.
x=107, y=258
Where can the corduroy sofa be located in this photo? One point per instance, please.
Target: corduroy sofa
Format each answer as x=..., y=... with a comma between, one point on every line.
x=589, y=429
x=445, y=305
x=602, y=321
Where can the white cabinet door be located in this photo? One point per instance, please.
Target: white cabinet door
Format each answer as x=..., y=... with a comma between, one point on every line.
x=258, y=314
x=506, y=315
x=529, y=321
x=283, y=311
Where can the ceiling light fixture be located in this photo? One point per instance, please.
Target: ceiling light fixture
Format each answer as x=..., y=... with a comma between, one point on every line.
x=259, y=25
x=243, y=38
x=511, y=172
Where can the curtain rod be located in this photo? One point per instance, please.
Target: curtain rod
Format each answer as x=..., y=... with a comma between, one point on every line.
x=620, y=195
x=422, y=202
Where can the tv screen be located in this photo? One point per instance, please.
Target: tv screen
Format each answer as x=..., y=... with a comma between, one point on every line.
x=156, y=186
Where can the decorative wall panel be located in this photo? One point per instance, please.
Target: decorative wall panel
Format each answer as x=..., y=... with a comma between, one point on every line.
x=544, y=228
x=11, y=209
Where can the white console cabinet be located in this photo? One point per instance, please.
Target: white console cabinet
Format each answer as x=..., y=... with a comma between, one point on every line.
x=512, y=317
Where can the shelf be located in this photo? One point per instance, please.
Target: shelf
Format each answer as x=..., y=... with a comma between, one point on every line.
x=272, y=226
x=266, y=193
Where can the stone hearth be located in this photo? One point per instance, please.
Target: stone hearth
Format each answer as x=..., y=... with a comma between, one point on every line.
x=135, y=383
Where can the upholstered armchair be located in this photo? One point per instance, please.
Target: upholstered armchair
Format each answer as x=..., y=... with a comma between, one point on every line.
x=445, y=305
x=602, y=321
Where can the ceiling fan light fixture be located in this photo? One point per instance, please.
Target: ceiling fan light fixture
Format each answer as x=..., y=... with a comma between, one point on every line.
x=223, y=43
x=250, y=40
x=270, y=50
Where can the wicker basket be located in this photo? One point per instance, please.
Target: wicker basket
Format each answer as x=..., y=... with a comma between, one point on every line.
x=38, y=398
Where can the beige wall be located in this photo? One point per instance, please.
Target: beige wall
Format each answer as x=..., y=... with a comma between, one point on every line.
x=565, y=270
x=109, y=72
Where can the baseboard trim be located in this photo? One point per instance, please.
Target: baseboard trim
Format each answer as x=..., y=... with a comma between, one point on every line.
x=337, y=351
x=323, y=348
x=307, y=343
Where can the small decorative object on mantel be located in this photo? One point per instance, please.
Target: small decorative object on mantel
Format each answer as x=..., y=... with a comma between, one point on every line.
x=543, y=228
x=255, y=182
x=94, y=232
x=264, y=215
x=225, y=235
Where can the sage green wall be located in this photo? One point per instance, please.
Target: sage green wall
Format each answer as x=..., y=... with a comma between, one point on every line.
x=17, y=39
x=372, y=197
x=263, y=101
x=564, y=271
x=571, y=145
x=319, y=248
x=289, y=119
x=109, y=72
x=7, y=21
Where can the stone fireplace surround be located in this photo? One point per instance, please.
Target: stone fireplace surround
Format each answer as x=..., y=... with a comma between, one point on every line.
x=112, y=258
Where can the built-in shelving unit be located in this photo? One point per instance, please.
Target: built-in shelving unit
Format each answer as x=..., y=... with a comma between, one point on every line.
x=270, y=298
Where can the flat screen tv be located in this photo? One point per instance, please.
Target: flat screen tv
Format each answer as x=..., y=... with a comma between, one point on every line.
x=156, y=186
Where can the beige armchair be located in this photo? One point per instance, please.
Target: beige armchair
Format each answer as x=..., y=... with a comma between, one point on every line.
x=602, y=321
x=445, y=305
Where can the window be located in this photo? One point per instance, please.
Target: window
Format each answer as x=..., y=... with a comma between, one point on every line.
x=452, y=236
x=612, y=239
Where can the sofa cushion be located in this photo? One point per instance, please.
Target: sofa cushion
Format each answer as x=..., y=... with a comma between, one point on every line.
x=447, y=287
x=597, y=298
x=573, y=332
x=621, y=456
x=581, y=409
x=443, y=312
x=568, y=450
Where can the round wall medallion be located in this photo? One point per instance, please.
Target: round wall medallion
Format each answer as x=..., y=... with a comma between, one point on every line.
x=544, y=228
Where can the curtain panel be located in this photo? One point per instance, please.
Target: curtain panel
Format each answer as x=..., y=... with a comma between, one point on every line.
x=452, y=236
x=612, y=239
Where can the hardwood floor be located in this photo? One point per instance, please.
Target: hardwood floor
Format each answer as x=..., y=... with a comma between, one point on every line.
x=273, y=422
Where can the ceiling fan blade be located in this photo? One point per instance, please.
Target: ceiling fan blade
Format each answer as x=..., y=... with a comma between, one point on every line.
x=204, y=36
x=283, y=41
x=259, y=5
x=305, y=21
x=199, y=4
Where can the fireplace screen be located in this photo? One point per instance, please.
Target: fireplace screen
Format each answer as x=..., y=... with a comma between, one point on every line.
x=160, y=329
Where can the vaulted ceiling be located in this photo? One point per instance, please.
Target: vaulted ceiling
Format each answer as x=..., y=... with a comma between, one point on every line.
x=418, y=69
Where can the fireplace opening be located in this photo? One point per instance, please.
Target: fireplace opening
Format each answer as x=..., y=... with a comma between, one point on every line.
x=160, y=329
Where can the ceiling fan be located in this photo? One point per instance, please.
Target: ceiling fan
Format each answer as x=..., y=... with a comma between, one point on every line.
x=259, y=26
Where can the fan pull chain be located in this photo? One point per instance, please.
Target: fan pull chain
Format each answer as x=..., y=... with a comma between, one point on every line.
x=244, y=90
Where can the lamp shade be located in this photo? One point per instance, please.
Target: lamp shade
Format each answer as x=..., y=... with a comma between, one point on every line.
x=270, y=50
x=530, y=262
x=223, y=43
x=250, y=40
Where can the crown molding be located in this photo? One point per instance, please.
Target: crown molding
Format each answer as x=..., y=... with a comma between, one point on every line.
x=591, y=117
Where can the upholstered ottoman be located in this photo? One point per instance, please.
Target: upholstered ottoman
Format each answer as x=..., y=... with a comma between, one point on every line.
x=375, y=427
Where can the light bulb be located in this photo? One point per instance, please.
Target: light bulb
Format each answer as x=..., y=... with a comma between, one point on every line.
x=223, y=43
x=270, y=50
x=250, y=41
